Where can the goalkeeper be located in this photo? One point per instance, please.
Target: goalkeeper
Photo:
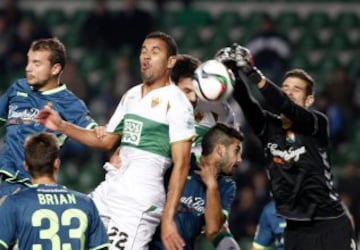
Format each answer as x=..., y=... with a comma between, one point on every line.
x=296, y=144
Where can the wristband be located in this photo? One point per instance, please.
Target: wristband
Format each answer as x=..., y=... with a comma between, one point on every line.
x=220, y=237
x=255, y=76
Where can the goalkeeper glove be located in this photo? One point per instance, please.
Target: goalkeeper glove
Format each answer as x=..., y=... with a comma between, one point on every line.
x=242, y=59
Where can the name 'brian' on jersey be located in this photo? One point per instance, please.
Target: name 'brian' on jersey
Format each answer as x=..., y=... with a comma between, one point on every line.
x=56, y=199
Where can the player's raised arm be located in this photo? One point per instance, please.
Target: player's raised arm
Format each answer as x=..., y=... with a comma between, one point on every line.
x=292, y=100
x=232, y=57
x=214, y=217
x=52, y=120
x=180, y=152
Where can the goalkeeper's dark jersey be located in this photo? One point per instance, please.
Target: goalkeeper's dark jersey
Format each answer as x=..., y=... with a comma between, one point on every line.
x=297, y=158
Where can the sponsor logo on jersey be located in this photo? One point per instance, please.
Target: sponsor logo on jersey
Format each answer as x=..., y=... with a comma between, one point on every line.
x=132, y=131
x=26, y=115
x=23, y=94
x=282, y=156
x=193, y=204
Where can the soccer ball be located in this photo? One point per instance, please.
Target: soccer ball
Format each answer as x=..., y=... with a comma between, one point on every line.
x=213, y=81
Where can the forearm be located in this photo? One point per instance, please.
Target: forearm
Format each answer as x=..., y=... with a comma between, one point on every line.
x=249, y=105
x=175, y=189
x=82, y=135
x=214, y=217
x=273, y=94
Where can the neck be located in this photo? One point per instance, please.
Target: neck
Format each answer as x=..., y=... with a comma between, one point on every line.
x=51, y=84
x=148, y=87
x=210, y=160
x=43, y=180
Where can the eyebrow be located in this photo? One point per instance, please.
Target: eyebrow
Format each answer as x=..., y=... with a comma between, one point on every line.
x=152, y=48
x=295, y=87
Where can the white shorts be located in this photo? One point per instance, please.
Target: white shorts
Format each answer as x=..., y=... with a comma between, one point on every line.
x=130, y=223
x=134, y=230
x=99, y=198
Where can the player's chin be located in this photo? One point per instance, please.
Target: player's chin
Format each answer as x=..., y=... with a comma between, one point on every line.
x=229, y=172
x=31, y=80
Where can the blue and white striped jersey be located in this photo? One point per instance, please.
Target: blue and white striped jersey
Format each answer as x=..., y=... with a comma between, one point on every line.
x=50, y=216
x=18, y=107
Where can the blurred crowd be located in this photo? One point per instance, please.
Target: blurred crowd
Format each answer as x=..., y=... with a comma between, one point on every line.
x=118, y=36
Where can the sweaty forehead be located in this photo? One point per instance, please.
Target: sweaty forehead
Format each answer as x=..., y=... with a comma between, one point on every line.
x=39, y=54
x=186, y=82
x=294, y=82
x=236, y=142
x=154, y=43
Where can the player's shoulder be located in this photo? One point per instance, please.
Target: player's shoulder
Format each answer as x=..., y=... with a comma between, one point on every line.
x=134, y=90
x=319, y=114
x=79, y=196
x=20, y=84
x=65, y=98
x=132, y=93
x=63, y=92
x=270, y=208
x=17, y=198
x=174, y=92
x=226, y=183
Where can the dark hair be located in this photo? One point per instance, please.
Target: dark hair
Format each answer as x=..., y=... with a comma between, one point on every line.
x=185, y=66
x=41, y=150
x=56, y=48
x=169, y=40
x=302, y=74
x=219, y=133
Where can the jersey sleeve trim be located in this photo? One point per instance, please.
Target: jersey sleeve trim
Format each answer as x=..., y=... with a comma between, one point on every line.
x=105, y=245
x=13, y=178
x=3, y=243
x=226, y=213
x=260, y=247
x=91, y=125
x=219, y=237
x=191, y=138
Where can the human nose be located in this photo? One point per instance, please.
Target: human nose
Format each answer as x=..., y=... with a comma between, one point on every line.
x=288, y=92
x=238, y=159
x=146, y=54
x=27, y=67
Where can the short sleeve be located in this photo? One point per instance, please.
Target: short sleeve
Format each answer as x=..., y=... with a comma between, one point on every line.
x=77, y=113
x=180, y=117
x=227, y=194
x=117, y=117
x=7, y=224
x=4, y=105
x=97, y=234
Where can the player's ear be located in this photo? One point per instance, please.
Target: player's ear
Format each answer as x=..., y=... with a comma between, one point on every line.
x=26, y=166
x=220, y=150
x=309, y=101
x=57, y=164
x=171, y=62
x=56, y=69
